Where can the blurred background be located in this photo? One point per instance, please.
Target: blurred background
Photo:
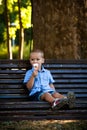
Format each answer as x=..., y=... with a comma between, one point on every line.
x=58, y=27
x=15, y=29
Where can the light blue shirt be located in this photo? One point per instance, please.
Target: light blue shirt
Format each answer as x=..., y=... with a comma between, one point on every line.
x=41, y=82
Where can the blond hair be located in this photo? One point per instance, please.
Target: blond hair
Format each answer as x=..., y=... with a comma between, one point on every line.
x=38, y=51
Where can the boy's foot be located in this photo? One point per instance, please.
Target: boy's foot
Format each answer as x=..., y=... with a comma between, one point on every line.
x=71, y=99
x=58, y=103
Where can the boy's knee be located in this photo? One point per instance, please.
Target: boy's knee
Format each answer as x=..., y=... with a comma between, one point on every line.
x=44, y=96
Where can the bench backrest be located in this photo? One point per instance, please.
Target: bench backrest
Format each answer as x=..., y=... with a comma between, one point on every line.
x=69, y=75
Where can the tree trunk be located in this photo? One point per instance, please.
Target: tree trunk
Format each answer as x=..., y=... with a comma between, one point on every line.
x=8, y=37
x=85, y=8
x=21, y=33
x=60, y=28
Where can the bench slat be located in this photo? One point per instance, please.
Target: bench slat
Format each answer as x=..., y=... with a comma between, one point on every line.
x=16, y=96
x=20, y=91
x=34, y=106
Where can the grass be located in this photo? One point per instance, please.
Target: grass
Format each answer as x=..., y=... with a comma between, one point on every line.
x=15, y=51
x=44, y=125
x=3, y=51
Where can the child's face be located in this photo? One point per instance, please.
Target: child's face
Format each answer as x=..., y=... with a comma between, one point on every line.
x=36, y=58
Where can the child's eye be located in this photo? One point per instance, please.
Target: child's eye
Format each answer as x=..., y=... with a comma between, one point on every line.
x=38, y=59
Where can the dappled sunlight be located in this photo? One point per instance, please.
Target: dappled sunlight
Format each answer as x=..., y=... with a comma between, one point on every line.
x=44, y=125
x=58, y=121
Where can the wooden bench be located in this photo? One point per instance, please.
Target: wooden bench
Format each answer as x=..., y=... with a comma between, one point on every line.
x=70, y=75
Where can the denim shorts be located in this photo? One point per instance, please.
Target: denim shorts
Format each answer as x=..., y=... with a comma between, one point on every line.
x=37, y=95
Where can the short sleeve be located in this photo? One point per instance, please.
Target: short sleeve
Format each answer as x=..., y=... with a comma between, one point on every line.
x=27, y=76
x=51, y=80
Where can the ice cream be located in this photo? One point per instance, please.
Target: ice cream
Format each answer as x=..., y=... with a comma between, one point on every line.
x=35, y=66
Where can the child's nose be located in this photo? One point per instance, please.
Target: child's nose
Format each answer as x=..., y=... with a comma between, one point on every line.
x=35, y=61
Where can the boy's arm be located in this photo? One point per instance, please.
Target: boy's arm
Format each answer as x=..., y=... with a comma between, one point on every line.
x=52, y=86
x=30, y=83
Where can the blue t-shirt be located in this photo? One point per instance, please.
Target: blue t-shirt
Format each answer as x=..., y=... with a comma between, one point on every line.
x=41, y=82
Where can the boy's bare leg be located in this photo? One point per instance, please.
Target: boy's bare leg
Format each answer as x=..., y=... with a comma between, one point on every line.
x=55, y=103
x=50, y=98
x=47, y=97
x=58, y=95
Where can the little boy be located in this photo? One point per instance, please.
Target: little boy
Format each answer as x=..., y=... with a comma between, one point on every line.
x=39, y=82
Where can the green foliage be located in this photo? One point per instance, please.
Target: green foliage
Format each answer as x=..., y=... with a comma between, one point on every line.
x=26, y=17
x=28, y=47
x=1, y=31
x=13, y=32
x=13, y=14
x=3, y=51
x=1, y=9
x=10, y=4
x=15, y=51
